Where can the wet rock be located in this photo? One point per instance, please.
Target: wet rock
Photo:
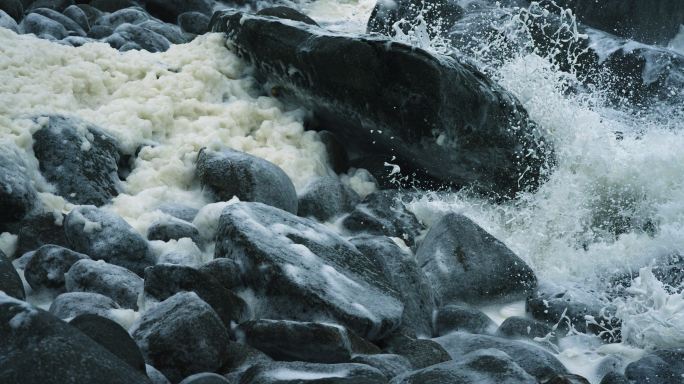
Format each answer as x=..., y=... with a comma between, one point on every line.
x=103, y=235
x=452, y=318
x=6, y=21
x=326, y=197
x=77, y=41
x=171, y=32
x=78, y=15
x=533, y=359
x=615, y=378
x=231, y=173
x=113, y=5
x=464, y=263
x=179, y=211
x=123, y=16
x=155, y=376
x=100, y=31
x=455, y=114
x=169, y=10
x=337, y=154
x=299, y=372
x=659, y=367
x=13, y=8
x=39, y=348
x=384, y=213
x=91, y=13
x=439, y=15
x=10, y=282
x=194, y=22
x=112, y=337
x=522, y=327
x=401, y=269
x=388, y=364
x=486, y=366
x=173, y=229
x=145, y=38
x=240, y=356
x=17, y=194
x=70, y=25
x=47, y=266
x=303, y=341
x=567, y=379
x=181, y=336
x=286, y=13
x=40, y=25
x=205, y=378
x=165, y=280
x=225, y=271
x=36, y=229
x=302, y=270
x=72, y=304
x=110, y=280
x=55, y=5
x=420, y=352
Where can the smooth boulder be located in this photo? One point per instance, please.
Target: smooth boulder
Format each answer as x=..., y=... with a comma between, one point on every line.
x=72, y=304
x=453, y=317
x=47, y=266
x=118, y=283
x=325, y=198
x=10, y=282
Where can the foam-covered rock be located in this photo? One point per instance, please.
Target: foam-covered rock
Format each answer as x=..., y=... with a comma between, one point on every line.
x=10, y=282
x=47, y=266
x=326, y=197
x=173, y=229
x=122, y=285
x=17, y=193
x=72, y=304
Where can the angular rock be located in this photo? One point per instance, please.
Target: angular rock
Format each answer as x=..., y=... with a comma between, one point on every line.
x=464, y=263
x=326, y=197
x=103, y=235
x=169, y=10
x=173, y=229
x=299, y=372
x=225, y=271
x=357, y=87
x=78, y=15
x=47, y=266
x=70, y=25
x=193, y=22
x=486, y=366
x=17, y=193
x=39, y=348
x=453, y=317
x=181, y=336
x=388, y=364
x=72, y=304
x=165, y=280
x=13, y=8
x=242, y=356
x=6, y=21
x=122, y=285
x=123, y=16
x=533, y=359
x=205, y=378
x=282, y=12
x=112, y=337
x=231, y=173
x=438, y=15
x=522, y=327
x=78, y=158
x=420, y=352
x=302, y=270
x=10, y=282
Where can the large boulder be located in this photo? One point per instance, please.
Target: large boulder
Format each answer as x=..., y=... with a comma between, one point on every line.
x=42, y=27
x=72, y=304
x=17, y=193
x=464, y=263
x=415, y=109
x=39, y=348
x=389, y=364
x=122, y=285
x=169, y=10
x=405, y=14
x=299, y=372
x=70, y=25
x=47, y=266
x=302, y=270
x=78, y=158
x=420, y=353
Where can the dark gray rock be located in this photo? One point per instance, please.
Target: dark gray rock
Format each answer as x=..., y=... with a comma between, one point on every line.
x=283, y=12
x=486, y=366
x=420, y=352
x=337, y=154
x=113, y=5
x=662, y=366
x=438, y=15
x=533, y=359
x=568, y=378
x=455, y=115
x=384, y=213
x=401, y=269
x=47, y=266
x=91, y=13
x=181, y=336
x=78, y=158
x=225, y=271
x=302, y=270
x=103, y=235
x=464, y=263
x=55, y=5
x=169, y=10
x=165, y=280
x=6, y=21
x=155, y=376
x=388, y=364
x=326, y=197
x=112, y=336
x=231, y=173
x=240, y=356
x=70, y=25
x=78, y=15
x=171, y=32
x=173, y=229
x=13, y=8
x=145, y=38
x=453, y=317
x=123, y=16
x=10, y=282
x=100, y=31
x=195, y=23
x=77, y=41
x=72, y=304
x=36, y=229
x=299, y=372
x=40, y=25
x=285, y=340
x=615, y=378
x=205, y=378
x=522, y=327
x=39, y=348
x=17, y=193
x=110, y=280
x=179, y=211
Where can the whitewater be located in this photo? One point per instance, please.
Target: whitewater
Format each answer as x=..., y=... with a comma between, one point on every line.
x=613, y=204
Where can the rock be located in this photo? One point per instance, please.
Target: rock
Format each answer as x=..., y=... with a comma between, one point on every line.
x=78, y=158
x=325, y=198
x=169, y=10
x=48, y=265
x=302, y=270
x=13, y=8
x=384, y=213
x=110, y=280
x=100, y=31
x=401, y=269
x=303, y=341
x=145, y=38
x=77, y=41
x=659, y=367
x=39, y=348
x=10, y=282
x=112, y=336
x=533, y=359
x=231, y=173
x=36, y=229
x=103, y=235
x=173, y=34
x=420, y=352
x=455, y=116
x=388, y=364
x=453, y=317
x=179, y=211
x=6, y=21
x=181, y=336
x=337, y=154
x=614, y=378
x=437, y=15
x=91, y=13
x=155, y=376
x=299, y=372
x=173, y=229
x=17, y=194
x=72, y=28
x=72, y=304
x=225, y=271
x=282, y=12
x=193, y=22
x=567, y=379
x=165, y=280
x=464, y=263
x=522, y=327
x=242, y=356
x=78, y=15
x=123, y=16
x=112, y=5
x=55, y=5
x=486, y=366
x=205, y=378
